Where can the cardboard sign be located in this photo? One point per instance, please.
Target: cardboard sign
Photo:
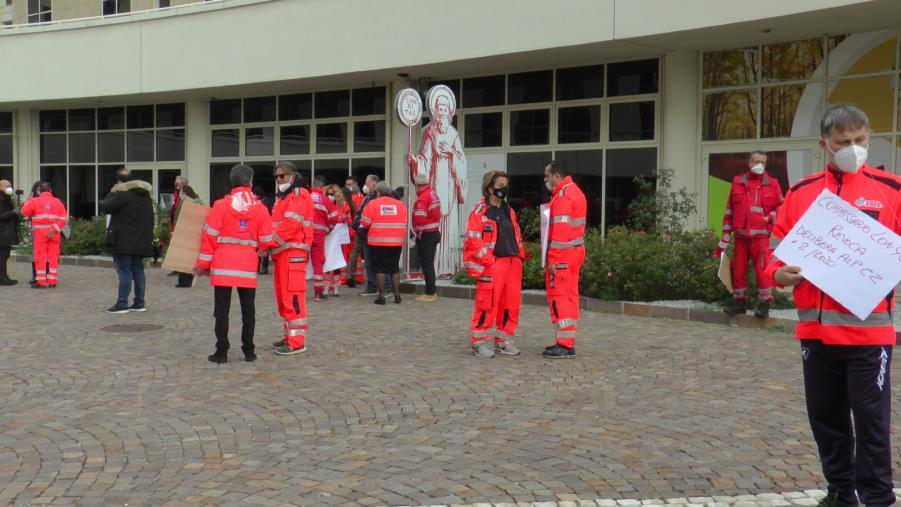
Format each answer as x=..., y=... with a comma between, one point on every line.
x=185, y=242
x=724, y=273
x=844, y=252
x=334, y=256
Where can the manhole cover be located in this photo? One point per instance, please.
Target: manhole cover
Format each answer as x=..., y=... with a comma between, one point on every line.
x=131, y=328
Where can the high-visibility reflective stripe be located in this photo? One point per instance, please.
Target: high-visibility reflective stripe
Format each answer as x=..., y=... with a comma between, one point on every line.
x=756, y=209
x=567, y=244
x=501, y=334
x=435, y=205
x=481, y=253
x=426, y=227
x=420, y=213
x=53, y=270
x=765, y=291
x=388, y=226
x=740, y=291
x=205, y=257
x=41, y=226
x=490, y=245
x=48, y=216
x=210, y=230
x=275, y=223
x=774, y=242
x=320, y=227
x=294, y=332
x=759, y=232
x=484, y=278
x=234, y=272
x=473, y=265
x=366, y=219
x=566, y=323
x=562, y=265
x=267, y=238
x=396, y=239
x=560, y=218
x=479, y=334
x=296, y=323
x=473, y=234
x=287, y=246
x=729, y=211
x=837, y=318
x=723, y=245
x=320, y=207
x=727, y=227
x=333, y=214
x=577, y=222
x=566, y=334
x=236, y=241
x=294, y=216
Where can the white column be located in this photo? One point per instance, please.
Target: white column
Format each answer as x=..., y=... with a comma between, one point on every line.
x=680, y=127
x=396, y=156
x=197, y=148
x=27, y=148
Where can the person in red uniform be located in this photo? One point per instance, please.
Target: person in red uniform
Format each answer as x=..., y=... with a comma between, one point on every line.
x=565, y=254
x=385, y=220
x=292, y=221
x=754, y=200
x=344, y=204
x=325, y=217
x=493, y=254
x=48, y=217
x=846, y=360
x=236, y=227
x=426, y=222
x=355, y=258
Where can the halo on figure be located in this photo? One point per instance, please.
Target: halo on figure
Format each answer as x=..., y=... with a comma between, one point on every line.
x=408, y=106
x=438, y=92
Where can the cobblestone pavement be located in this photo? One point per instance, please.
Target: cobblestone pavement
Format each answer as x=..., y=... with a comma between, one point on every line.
x=387, y=408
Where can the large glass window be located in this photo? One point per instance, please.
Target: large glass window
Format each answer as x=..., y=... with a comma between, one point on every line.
x=369, y=136
x=331, y=138
x=259, y=141
x=369, y=101
x=483, y=91
x=333, y=104
x=526, y=171
x=632, y=121
x=586, y=168
x=623, y=165
x=483, y=130
x=259, y=109
x=40, y=11
x=580, y=83
x=632, y=78
x=530, y=127
x=580, y=124
x=295, y=107
x=295, y=140
x=6, y=146
x=332, y=170
x=530, y=87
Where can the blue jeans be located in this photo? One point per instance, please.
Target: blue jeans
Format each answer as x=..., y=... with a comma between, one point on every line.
x=130, y=267
x=370, y=272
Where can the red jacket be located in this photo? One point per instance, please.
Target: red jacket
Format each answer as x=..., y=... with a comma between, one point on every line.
x=753, y=203
x=481, y=236
x=877, y=194
x=426, y=211
x=386, y=219
x=567, y=227
x=292, y=223
x=46, y=212
x=237, y=226
x=325, y=216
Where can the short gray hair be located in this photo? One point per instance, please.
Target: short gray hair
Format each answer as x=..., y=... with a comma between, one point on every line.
x=240, y=176
x=373, y=177
x=757, y=152
x=384, y=189
x=843, y=117
x=182, y=178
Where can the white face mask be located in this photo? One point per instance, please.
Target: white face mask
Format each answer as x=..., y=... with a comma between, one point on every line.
x=757, y=169
x=283, y=187
x=331, y=198
x=549, y=185
x=365, y=190
x=850, y=158
x=8, y=191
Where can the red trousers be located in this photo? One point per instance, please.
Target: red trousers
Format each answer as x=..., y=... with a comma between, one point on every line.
x=290, y=281
x=562, y=285
x=754, y=249
x=317, y=256
x=498, y=298
x=46, y=252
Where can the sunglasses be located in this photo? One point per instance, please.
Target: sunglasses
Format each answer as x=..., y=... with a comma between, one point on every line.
x=282, y=176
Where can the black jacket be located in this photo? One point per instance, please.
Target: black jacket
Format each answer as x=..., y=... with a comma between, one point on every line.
x=130, y=230
x=9, y=221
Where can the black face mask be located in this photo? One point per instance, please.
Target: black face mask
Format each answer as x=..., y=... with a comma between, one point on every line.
x=500, y=193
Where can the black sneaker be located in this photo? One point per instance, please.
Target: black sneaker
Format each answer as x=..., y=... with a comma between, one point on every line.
x=7, y=282
x=172, y=273
x=351, y=284
x=136, y=308
x=220, y=357
x=379, y=301
x=36, y=286
x=250, y=357
x=278, y=343
x=832, y=499
x=558, y=351
x=735, y=308
x=763, y=310
x=117, y=309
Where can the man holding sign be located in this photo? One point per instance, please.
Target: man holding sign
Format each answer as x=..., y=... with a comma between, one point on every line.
x=846, y=359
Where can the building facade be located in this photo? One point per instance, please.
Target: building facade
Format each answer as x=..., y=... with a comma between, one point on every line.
x=616, y=88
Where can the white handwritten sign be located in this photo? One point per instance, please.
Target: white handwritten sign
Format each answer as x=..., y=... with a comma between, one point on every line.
x=844, y=252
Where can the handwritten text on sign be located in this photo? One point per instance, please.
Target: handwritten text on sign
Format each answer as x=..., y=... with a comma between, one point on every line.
x=844, y=252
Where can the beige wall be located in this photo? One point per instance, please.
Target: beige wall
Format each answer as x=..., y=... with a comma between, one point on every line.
x=74, y=9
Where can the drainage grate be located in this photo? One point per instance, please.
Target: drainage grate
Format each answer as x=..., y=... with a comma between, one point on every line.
x=131, y=328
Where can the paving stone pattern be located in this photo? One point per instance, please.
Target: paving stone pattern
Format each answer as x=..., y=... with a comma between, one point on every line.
x=387, y=408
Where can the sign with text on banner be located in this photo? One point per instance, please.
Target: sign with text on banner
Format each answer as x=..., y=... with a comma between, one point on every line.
x=844, y=252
